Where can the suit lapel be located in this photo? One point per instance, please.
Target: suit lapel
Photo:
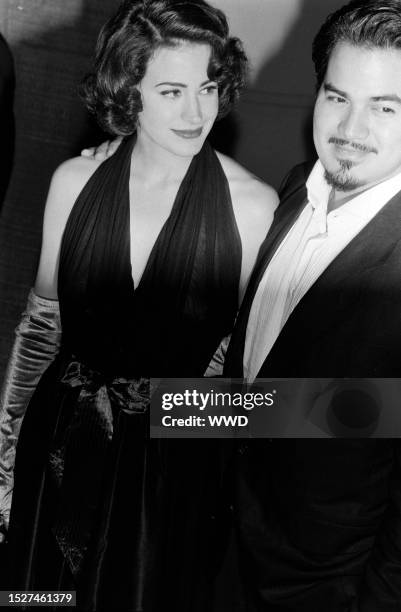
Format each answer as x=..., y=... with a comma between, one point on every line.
x=353, y=274
x=286, y=214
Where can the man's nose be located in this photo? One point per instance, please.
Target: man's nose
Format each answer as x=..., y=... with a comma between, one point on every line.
x=354, y=124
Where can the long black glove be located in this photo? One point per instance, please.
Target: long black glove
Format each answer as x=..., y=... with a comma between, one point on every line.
x=36, y=344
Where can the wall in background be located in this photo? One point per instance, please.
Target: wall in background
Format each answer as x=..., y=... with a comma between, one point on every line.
x=273, y=120
x=52, y=41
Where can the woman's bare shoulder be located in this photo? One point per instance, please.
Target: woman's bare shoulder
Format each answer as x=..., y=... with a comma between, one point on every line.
x=69, y=179
x=66, y=184
x=254, y=204
x=247, y=189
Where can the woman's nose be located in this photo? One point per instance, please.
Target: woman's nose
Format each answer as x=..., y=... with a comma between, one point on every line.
x=192, y=111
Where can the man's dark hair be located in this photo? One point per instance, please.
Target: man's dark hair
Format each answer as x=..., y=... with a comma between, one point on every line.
x=368, y=23
x=130, y=38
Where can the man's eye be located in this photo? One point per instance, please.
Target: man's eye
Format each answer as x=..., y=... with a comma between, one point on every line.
x=336, y=99
x=386, y=110
x=171, y=93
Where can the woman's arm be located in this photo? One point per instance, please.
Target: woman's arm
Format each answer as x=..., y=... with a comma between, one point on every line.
x=66, y=184
x=254, y=203
x=38, y=335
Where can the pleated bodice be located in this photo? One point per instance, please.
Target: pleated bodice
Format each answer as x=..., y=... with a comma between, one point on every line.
x=186, y=300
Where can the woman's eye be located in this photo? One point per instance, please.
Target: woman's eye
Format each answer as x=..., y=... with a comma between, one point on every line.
x=171, y=93
x=210, y=89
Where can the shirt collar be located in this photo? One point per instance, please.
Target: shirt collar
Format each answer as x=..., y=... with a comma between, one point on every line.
x=318, y=192
x=317, y=188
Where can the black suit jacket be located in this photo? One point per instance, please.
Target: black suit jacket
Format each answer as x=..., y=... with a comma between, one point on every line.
x=320, y=520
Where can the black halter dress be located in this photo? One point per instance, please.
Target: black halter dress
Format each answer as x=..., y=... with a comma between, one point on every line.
x=128, y=522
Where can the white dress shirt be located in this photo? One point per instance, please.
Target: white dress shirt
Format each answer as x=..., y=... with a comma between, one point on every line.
x=313, y=242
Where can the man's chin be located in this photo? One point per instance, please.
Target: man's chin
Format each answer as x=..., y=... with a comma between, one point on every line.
x=342, y=181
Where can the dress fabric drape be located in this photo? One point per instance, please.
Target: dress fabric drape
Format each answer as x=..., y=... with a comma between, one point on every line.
x=130, y=523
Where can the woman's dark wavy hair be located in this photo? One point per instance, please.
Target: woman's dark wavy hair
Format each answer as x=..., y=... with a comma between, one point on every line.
x=130, y=38
x=366, y=23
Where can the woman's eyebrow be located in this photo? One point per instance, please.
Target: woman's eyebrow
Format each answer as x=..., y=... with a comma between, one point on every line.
x=174, y=84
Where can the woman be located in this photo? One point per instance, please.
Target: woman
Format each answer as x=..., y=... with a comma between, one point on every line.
x=148, y=254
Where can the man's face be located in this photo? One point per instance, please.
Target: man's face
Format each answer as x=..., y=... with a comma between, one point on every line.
x=357, y=118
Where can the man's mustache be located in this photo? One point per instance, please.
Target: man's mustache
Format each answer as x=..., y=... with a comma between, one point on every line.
x=354, y=145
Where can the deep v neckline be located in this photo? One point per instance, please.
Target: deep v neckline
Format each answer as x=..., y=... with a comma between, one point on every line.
x=164, y=228
x=188, y=292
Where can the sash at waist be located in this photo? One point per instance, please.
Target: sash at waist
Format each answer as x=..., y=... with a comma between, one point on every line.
x=82, y=448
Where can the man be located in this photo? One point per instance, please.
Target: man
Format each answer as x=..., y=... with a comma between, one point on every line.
x=319, y=521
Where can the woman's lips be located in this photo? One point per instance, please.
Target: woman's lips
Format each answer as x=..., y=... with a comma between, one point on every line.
x=188, y=133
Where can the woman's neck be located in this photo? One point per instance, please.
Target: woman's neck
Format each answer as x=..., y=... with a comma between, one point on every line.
x=154, y=164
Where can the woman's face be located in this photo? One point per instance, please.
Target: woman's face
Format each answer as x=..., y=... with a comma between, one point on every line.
x=180, y=103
